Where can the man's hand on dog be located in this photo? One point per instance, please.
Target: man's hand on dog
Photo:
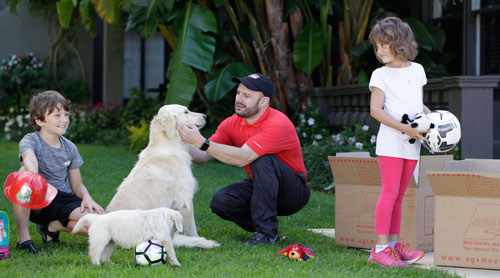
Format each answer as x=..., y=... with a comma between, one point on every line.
x=191, y=134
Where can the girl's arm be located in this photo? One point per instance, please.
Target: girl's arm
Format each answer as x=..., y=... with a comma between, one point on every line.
x=378, y=113
x=80, y=190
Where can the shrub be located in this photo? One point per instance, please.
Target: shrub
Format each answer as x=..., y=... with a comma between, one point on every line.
x=139, y=137
x=310, y=127
x=317, y=144
x=20, y=75
x=14, y=127
x=351, y=138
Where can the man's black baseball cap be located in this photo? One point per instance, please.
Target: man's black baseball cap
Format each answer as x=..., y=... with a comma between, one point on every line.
x=257, y=82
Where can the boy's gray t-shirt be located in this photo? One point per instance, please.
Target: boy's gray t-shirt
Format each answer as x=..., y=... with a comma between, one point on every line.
x=53, y=163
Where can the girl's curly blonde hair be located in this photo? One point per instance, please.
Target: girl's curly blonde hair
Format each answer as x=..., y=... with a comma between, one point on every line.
x=398, y=34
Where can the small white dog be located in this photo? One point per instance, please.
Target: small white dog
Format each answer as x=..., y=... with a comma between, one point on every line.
x=127, y=228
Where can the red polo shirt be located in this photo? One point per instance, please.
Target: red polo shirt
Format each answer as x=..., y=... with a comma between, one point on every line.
x=272, y=133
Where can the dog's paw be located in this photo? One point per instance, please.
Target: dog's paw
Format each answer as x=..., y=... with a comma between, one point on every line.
x=174, y=262
x=215, y=243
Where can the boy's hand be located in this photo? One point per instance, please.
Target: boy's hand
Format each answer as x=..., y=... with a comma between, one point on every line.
x=93, y=207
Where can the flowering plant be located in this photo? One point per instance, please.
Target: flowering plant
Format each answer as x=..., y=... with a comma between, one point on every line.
x=310, y=127
x=351, y=138
x=19, y=75
x=15, y=126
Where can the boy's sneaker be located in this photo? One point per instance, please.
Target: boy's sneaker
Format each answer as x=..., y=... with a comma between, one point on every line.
x=28, y=246
x=43, y=230
x=260, y=238
x=386, y=257
x=407, y=255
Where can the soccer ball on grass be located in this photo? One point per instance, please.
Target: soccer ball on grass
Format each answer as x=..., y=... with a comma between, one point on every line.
x=446, y=133
x=150, y=252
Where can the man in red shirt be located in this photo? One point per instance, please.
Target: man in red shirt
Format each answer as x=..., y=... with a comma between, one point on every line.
x=264, y=141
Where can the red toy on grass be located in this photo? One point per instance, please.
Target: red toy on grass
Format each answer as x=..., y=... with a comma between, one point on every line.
x=297, y=252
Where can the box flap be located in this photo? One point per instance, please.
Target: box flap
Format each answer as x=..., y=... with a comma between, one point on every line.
x=353, y=154
x=457, y=165
x=465, y=184
x=360, y=171
x=429, y=163
x=484, y=165
x=473, y=165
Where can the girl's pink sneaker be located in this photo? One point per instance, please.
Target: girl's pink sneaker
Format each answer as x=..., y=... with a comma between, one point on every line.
x=387, y=257
x=407, y=255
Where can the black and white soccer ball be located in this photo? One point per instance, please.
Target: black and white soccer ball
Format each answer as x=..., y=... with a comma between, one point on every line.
x=150, y=252
x=446, y=133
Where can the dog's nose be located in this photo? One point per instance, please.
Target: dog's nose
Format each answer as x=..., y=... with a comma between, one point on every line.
x=204, y=116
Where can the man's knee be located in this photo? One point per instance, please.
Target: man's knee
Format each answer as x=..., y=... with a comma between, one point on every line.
x=263, y=161
x=217, y=203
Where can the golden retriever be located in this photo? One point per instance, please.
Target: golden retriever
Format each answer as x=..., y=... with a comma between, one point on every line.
x=162, y=177
x=127, y=228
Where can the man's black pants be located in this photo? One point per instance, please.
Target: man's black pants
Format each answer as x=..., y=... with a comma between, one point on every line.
x=255, y=205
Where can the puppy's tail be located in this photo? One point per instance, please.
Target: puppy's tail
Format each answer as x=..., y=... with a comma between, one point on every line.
x=190, y=241
x=88, y=219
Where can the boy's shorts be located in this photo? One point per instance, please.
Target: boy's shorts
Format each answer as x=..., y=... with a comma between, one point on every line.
x=59, y=209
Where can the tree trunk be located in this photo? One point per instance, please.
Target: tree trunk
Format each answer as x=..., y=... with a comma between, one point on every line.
x=289, y=82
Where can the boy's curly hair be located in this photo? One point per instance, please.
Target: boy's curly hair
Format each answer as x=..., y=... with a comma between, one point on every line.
x=45, y=103
x=398, y=34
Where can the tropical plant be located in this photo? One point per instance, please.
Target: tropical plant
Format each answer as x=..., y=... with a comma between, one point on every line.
x=352, y=42
x=313, y=45
x=212, y=41
x=431, y=40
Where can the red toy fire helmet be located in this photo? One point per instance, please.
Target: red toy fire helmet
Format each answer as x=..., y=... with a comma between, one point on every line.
x=29, y=189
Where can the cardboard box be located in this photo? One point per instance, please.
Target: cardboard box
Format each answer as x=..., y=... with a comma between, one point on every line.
x=357, y=188
x=467, y=219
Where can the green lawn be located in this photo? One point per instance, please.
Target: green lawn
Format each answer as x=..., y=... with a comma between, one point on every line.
x=106, y=167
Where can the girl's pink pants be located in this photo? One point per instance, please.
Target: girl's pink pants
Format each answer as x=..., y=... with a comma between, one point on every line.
x=396, y=174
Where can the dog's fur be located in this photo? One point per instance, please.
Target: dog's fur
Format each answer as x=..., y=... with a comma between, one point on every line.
x=162, y=177
x=127, y=228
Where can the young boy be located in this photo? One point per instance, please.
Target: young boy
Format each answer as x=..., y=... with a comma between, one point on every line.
x=48, y=153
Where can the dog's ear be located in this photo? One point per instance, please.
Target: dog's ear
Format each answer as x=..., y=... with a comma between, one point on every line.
x=177, y=219
x=168, y=122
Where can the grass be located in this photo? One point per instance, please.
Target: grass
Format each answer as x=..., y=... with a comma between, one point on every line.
x=106, y=167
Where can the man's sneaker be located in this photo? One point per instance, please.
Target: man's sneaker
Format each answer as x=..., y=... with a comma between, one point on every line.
x=260, y=238
x=407, y=255
x=386, y=257
x=28, y=246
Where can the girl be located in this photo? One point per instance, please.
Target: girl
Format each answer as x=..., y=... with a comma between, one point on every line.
x=397, y=88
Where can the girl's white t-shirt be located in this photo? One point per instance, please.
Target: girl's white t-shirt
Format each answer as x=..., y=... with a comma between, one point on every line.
x=402, y=89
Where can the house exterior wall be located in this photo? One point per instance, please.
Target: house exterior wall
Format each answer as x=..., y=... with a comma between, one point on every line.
x=28, y=32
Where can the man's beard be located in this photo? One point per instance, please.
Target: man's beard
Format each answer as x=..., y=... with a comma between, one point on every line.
x=248, y=112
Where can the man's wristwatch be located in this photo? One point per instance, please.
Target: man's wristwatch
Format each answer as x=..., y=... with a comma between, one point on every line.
x=205, y=145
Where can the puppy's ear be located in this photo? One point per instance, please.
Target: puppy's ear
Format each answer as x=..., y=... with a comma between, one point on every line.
x=177, y=219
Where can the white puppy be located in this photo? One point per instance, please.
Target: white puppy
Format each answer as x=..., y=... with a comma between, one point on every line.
x=127, y=228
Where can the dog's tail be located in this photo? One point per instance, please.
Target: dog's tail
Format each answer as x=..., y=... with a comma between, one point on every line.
x=84, y=221
x=190, y=241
